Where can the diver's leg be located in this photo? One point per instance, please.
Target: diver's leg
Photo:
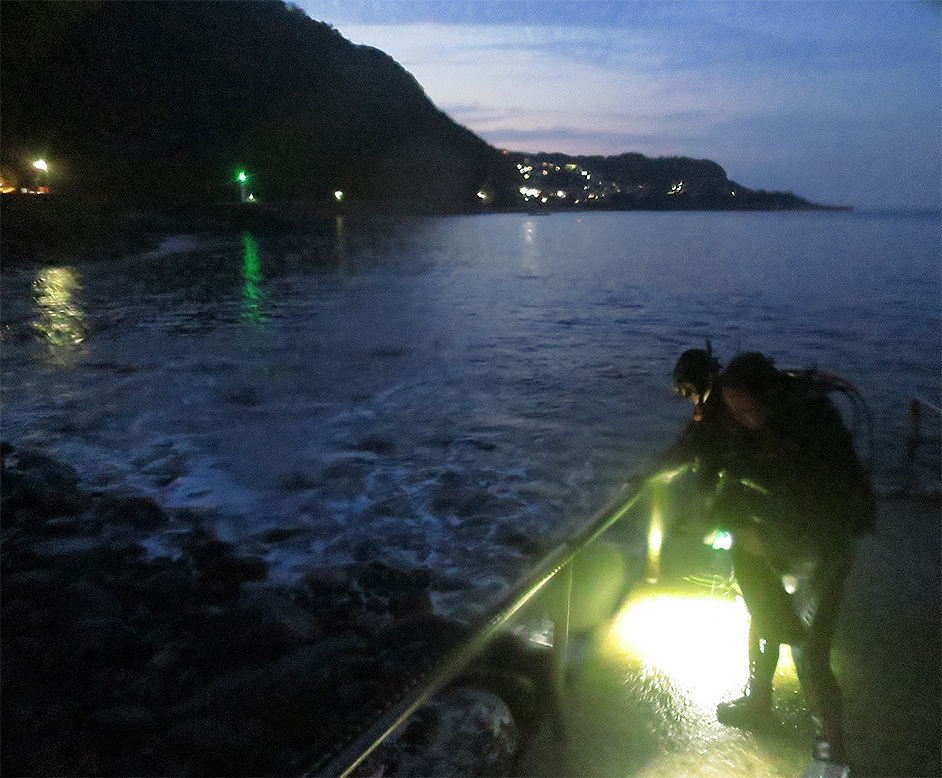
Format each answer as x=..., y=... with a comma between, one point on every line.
x=757, y=583
x=763, y=659
x=813, y=660
x=754, y=709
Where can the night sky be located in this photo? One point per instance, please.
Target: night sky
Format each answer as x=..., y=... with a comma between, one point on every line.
x=840, y=102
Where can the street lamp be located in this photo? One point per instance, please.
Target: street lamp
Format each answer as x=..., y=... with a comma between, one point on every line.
x=242, y=179
x=41, y=177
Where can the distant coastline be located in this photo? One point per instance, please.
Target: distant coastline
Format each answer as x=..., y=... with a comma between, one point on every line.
x=310, y=126
x=42, y=228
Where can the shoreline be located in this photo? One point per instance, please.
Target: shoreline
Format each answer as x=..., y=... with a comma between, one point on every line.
x=37, y=228
x=120, y=662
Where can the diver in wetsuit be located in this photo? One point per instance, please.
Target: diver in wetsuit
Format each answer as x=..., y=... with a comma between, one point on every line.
x=795, y=496
x=706, y=444
x=701, y=441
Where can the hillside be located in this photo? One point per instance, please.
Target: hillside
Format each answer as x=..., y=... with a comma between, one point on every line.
x=147, y=105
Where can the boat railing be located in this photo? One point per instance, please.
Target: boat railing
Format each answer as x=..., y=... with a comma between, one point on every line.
x=924, y=449
x=916, y=408
x=557, y=565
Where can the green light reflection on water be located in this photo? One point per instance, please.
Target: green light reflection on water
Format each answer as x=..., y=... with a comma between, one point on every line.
x=61, y=323
x=253, y=292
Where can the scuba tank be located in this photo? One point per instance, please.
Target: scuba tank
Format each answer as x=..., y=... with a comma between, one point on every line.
x=828, y=383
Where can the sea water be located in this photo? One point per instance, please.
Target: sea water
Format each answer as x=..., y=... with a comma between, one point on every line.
x=456, y=393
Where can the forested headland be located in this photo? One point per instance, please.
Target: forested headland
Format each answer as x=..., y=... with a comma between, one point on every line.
x=159, y=107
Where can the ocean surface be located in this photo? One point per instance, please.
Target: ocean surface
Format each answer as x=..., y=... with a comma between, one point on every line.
x=453, y=393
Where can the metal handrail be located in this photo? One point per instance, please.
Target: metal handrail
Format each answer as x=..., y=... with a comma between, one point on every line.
x=916, y=404
x=926, y=404
x=351, y=756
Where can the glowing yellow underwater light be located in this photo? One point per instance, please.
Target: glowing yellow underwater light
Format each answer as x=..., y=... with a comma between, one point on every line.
x=699, y=643
x=655, y=538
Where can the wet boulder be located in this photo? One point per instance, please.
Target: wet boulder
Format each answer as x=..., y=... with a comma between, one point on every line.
x=36, y=486
x=464, y=730
x=140, y=513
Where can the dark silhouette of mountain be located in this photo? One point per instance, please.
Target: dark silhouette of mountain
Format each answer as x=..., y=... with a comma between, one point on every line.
x=152, y=104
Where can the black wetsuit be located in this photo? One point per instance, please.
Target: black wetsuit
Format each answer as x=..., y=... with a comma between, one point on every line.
x=703, y=443
x=799, y=485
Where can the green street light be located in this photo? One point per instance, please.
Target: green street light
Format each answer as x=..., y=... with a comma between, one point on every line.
x=242, y=179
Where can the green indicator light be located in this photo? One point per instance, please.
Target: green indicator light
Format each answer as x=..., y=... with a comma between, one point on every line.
x=242, y=176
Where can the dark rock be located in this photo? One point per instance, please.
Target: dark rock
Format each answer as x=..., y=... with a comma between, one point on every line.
x=462, y=731
x=138, y=512
x=517, y=538
x=447, y=582
x=376, y=445
x=459, y=501
x=124, y=719
x=211, y=745
x=166, y=589
x=383, y=579
x=39, y=487
x=281, y=534
x=78, y=552
x=454, y=479
x=165, y=471
x=22, y=616
x=149, y=689
x=253, y=633
x=233, y=570
x=344, y=480
x=290, y=694
x=33, y=582
x=205, y=548
x=298, y=481
x=107, y=640
x=397, y=505
x=481, y=445
x=245, y=396
x=431, y=634
x=294, y=624
x=365, y=550
x=328, y=580
x=65, y=526
x=411, y=604
x=93, y=601
x=167, y=657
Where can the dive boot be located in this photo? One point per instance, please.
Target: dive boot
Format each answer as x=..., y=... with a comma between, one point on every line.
x=752, y=712
x=826, y=763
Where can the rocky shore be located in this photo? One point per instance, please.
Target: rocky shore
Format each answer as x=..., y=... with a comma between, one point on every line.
x=120, y=661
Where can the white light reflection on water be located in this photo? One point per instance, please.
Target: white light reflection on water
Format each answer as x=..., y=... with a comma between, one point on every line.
x=61, y=323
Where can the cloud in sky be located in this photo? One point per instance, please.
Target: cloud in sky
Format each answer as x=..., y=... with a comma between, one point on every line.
x=839, y=101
